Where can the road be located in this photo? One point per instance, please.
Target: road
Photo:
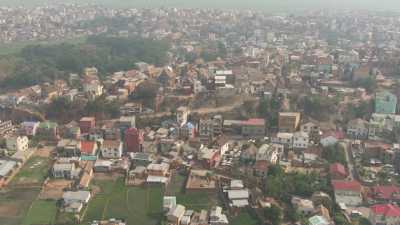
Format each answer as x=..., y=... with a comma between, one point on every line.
x=349, y=158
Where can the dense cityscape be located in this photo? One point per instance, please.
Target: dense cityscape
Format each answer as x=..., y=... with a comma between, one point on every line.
x=185, y=116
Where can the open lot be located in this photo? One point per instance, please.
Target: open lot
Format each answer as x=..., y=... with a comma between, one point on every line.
x=54, y=189
x=41, y=212
x=196, y=200
x=34, y=172
x=137, y=205
x=15, y=204
x=243, y=218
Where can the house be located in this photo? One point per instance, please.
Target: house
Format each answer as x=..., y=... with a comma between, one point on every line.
x=209, y=157
x=65, y=170
x=337, y=171
x=319, y=220
x=6, y=169
x=385, y=102
x=288, y=121
x=17, y=143
x=254, y=127
x=384, y=214
x=285, y=139
x=300, y=140
x=182, y=114
x=76, y=196
x=217, y=217
x=111, y=149
x=357, y=129
x=29, y=128
x=69, y=148
x=86, y=124
x=385, y=194
x=175, y=214
x=303, y=206
x=102, y=166
x=270, y=153
x=311, y=129
x=74, y=200
x=88, y=147
x=238, y=197
x=347, y=192
x=187, y=130
x=158, y=173
x=169, y=202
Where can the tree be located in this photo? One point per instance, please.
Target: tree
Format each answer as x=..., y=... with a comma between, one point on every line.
x=146, y=92
x=273, y=214
x=364, y=221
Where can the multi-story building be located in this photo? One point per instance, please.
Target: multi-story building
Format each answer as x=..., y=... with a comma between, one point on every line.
x=385, y=102
x=182, y=114
x=385, y=214
x=111, y=149
x=288, y=121
x=347, y=192
x=254, y=127
x=17, y=143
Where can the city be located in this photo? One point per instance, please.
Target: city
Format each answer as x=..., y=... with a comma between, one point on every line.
x=189, y=116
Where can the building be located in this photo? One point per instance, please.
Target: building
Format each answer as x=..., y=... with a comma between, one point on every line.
x=288, y=121
x=303, y=206
x=133, y=140
x=301, y=140
x=6, y=127
x=357, y=129
x=337, y=171
x=17, y=143
x=254, y=127
x=385, y=194
x=285, y=139
x=385, y=102
x=65, y=170
x=312, y=129
x=88, y=148
x=217, y=217
x=175, y=214
x=384, y=214
x=86, y=124
x=210, y=127
x=68, y=148
x=182, y=114
x=111, y=149
x=29, y=128
x=347, y=192
x=47, y=131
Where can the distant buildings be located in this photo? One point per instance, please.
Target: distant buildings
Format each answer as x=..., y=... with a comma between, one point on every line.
x=385, y=102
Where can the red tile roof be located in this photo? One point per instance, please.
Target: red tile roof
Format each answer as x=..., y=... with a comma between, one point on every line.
x=388, y=210
x=254, y=122
x=88, y=147
x=337, y=168
x=386, y=192
x=346, y=185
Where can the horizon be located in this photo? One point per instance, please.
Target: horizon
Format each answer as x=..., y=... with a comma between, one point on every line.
x=262, y=5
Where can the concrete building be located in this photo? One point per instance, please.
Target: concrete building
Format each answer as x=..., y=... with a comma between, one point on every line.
x=384, y=214
x=288, y=121
x=385, y=102
x=347, y=192
x=111, y=149
x=254, y=127
x=357, y=129
x=301, y=140
x=17, y=143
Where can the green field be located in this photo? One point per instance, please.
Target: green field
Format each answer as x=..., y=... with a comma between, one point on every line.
x=243, y=218
x=15, y=47
x=34, y=172
x=196, y=200
x=41, y=212
x=15, y=204
x=138, y=206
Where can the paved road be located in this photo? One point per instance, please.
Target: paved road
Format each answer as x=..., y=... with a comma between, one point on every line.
x=349, y=158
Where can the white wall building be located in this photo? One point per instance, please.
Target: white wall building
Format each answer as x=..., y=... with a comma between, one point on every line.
x=17, y=143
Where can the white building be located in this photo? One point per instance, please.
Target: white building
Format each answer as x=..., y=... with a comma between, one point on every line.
x=17, y=143
x=300, y=140
x=111, y=149
x=285, y=139
x=182, y=114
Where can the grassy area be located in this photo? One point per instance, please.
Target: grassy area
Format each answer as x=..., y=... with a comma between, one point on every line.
x=134, y=204
x=34, y=171
x=15, y=47
x=15, y=204
x=243, y=218
x=191, y=200
x=41, y=212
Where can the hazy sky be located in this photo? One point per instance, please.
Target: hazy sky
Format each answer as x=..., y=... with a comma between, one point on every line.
x=269, y=5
